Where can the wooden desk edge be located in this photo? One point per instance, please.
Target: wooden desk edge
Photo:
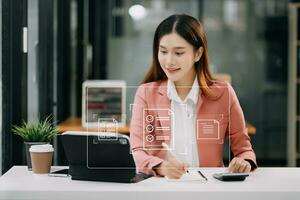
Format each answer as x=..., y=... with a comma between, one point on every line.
x=74, y=124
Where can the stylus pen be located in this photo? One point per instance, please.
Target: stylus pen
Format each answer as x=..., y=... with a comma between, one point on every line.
x=202, y=175
x=171, y=153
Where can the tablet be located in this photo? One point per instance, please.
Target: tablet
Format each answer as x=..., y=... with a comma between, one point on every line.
x=103, y=156
x=103, y=103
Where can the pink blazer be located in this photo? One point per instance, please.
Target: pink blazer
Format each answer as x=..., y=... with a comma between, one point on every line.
x=221, y=113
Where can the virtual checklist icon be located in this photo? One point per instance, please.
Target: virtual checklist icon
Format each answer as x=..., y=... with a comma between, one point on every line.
x=157, y=128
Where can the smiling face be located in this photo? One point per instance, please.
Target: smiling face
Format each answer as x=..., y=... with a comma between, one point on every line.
x=177, y=58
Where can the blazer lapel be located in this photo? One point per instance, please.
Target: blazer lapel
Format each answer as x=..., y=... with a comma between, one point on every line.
x=164, y=113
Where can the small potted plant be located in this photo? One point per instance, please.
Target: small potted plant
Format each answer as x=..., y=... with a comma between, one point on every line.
x=36, y=132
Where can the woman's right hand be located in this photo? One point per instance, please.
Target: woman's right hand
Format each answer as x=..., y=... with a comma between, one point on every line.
x=172, y=168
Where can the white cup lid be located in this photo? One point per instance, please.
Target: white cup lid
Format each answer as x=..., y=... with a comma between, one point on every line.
x=41, y=148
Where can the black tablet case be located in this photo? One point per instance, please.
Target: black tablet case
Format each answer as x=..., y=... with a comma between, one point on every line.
x=99, y=159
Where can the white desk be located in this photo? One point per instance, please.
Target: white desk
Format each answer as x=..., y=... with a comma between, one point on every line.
x=265, y=183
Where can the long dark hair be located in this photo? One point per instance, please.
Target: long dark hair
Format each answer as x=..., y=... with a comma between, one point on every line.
x=193, y=32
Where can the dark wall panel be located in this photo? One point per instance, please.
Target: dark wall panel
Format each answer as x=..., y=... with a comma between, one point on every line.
x=14, y=80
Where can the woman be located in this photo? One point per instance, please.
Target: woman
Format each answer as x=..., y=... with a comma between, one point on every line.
x=180, y=104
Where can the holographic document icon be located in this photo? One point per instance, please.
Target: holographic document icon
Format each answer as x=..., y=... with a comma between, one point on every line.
x=208, y=131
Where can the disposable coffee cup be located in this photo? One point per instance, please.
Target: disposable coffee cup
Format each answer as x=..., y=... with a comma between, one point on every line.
x=41, y=158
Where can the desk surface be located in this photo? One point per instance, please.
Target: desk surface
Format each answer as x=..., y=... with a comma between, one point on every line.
x=74, y=124
x=264, y=183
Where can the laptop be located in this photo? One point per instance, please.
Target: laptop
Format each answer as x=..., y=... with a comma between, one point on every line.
x=103, y=156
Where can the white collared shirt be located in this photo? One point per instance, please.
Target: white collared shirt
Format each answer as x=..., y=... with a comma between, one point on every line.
x=183, y=135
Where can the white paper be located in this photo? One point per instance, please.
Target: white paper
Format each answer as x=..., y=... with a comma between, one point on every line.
x=191, y=175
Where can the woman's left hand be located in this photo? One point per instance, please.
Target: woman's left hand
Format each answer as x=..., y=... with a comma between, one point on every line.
x=239, y=165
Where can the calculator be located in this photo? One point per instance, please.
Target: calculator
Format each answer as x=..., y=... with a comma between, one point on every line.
x=230, y=176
